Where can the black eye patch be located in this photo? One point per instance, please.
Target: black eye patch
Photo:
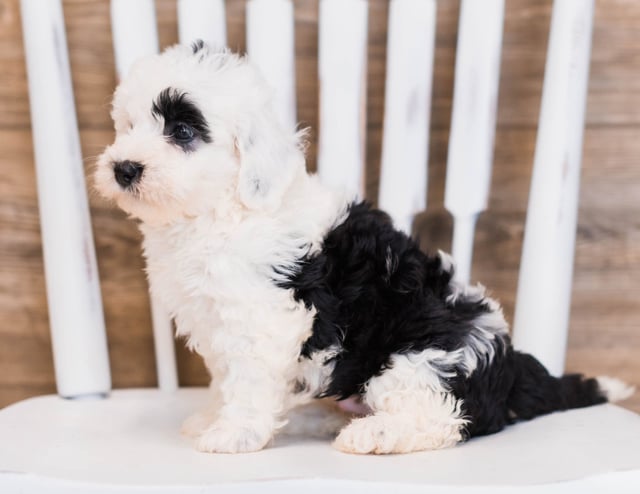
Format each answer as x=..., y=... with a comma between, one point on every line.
x=183, y=121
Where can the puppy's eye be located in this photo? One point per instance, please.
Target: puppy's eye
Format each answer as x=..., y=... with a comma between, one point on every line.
x=183, y=133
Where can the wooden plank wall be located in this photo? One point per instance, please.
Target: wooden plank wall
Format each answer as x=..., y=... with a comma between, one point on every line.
x=605, y=323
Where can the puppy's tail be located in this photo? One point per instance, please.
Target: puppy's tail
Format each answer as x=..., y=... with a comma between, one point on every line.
x=536, y=392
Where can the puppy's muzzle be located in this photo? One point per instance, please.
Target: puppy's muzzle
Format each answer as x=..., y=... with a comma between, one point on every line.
x=127, y=172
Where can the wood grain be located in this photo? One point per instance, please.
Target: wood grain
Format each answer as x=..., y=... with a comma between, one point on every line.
x=605, y=317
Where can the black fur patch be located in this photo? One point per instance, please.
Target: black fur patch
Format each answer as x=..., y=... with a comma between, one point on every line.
x=197, y=45
x=175, y=108
x=377, y=294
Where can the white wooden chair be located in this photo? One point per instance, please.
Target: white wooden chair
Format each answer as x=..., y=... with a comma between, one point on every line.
x=92, y=440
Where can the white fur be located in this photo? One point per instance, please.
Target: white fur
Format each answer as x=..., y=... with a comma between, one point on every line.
x=215, y=223
x=314, y=373
x=614, y=389
x=446, y=260
x=216, y=220
x=412, y=409
x=391, y=263
x=480, y=344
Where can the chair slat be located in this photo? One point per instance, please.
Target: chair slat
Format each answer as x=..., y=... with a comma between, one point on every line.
x=544, y=286
x=473, y=122
x=135, y=34
x=73, y=286
x=403, y=175
x=270, y=45
x=202, y=19
x=342, y=73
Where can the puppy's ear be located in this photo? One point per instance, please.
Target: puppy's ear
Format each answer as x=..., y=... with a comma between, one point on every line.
x=269, y=159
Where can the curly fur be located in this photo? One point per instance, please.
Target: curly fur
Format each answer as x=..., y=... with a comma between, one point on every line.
x=289, y=290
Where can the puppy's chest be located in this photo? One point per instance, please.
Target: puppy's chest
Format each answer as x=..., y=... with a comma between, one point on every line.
x=189, y=271
x=198, y=269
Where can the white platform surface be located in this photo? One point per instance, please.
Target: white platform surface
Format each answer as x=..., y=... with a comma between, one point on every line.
x=131, y=443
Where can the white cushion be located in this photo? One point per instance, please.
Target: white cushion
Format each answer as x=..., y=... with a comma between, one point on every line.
x=131, y=441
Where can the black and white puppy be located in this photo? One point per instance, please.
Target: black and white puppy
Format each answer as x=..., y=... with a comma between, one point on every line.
x=290, y=290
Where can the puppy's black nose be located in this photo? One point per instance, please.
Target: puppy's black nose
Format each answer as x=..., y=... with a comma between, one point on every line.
x=127, y=172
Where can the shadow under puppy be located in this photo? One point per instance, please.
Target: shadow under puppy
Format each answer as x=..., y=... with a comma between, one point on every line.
x=292, y=291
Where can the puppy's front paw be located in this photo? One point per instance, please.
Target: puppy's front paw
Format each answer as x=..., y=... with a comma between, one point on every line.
x=225, y=436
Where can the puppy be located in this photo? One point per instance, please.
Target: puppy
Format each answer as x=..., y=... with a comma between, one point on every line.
x=292, y=291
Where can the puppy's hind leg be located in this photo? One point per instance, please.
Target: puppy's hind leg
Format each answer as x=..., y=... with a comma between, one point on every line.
x=412, y=412
x=410, y=421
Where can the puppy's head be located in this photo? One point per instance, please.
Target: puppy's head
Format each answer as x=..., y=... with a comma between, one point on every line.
x=196, y=134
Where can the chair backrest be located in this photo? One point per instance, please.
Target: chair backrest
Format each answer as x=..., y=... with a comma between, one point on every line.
x=541, y=322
